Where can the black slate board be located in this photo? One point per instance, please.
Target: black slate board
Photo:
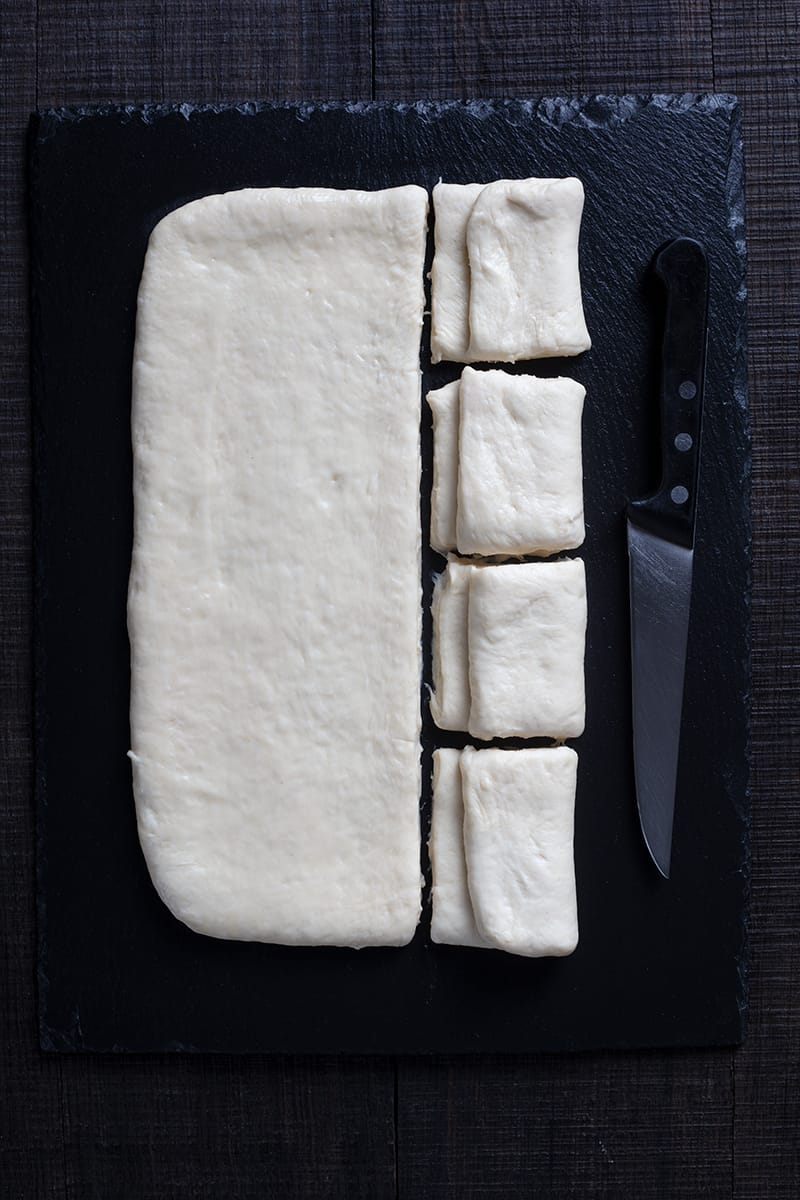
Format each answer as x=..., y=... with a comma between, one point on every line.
x=659, y=963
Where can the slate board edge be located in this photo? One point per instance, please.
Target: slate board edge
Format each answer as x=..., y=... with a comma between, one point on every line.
x=48, y=1039
x=614, y=109
x=735, y=195
x=596, y=109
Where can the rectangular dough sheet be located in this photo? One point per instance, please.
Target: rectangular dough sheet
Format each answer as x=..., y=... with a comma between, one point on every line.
x=274, y=600
x=452, y=920
x=519, y=808
x=505, y=274
x=526, y=641
x=520, y=472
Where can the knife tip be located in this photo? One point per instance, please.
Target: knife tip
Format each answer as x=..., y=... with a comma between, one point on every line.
x=663, y=861
x=663, y=867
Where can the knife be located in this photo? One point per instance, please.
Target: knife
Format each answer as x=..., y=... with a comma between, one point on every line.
x=661, y=548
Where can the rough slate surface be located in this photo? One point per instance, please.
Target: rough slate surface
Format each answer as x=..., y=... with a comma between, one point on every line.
x=717, y=1123
x=117, y=972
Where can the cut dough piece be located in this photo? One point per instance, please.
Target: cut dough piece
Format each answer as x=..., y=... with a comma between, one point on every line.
x=274, y=599
x=450, y=702
x=520, y=477
x=452, y=205
x=519, y=808
x=526, y=640
x=444, y=495
x=525, y=288
x=505, y=275
x=452, y=921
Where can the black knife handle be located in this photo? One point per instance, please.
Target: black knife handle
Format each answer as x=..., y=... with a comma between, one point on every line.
x=682, y=267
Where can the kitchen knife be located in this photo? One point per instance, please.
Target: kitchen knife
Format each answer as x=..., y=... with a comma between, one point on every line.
x=661, y=548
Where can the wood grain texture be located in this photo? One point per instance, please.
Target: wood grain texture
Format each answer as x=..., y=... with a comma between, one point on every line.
x=207, y=52
x=436, y=49
x=31, y=1153
x=89, y=53
x=239, y=1128
x=643, y=1125
x=755, y=54
x=267, y=50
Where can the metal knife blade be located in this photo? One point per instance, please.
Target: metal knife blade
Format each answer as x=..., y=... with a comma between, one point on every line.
x=661, y=548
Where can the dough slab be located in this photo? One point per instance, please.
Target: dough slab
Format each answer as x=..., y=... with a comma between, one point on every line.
x=274, y=601
x=519, y=810
x=520, y=474
x=526, y=641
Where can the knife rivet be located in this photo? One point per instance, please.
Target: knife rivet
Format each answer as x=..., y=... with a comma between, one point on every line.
x=683, y=441
x=687, y=390
x=679, y=495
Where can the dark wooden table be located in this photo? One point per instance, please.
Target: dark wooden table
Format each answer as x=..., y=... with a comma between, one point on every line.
x=705, y=1123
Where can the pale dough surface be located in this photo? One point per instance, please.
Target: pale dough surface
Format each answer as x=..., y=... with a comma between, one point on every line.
x=274, y=600
x=526, y=641
x=450, y=702
x=525, y=289
x=452, y=206
x=452, y=920
x=520, y=473
x=505, y=279
x=444, y=408
x=518, y=839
